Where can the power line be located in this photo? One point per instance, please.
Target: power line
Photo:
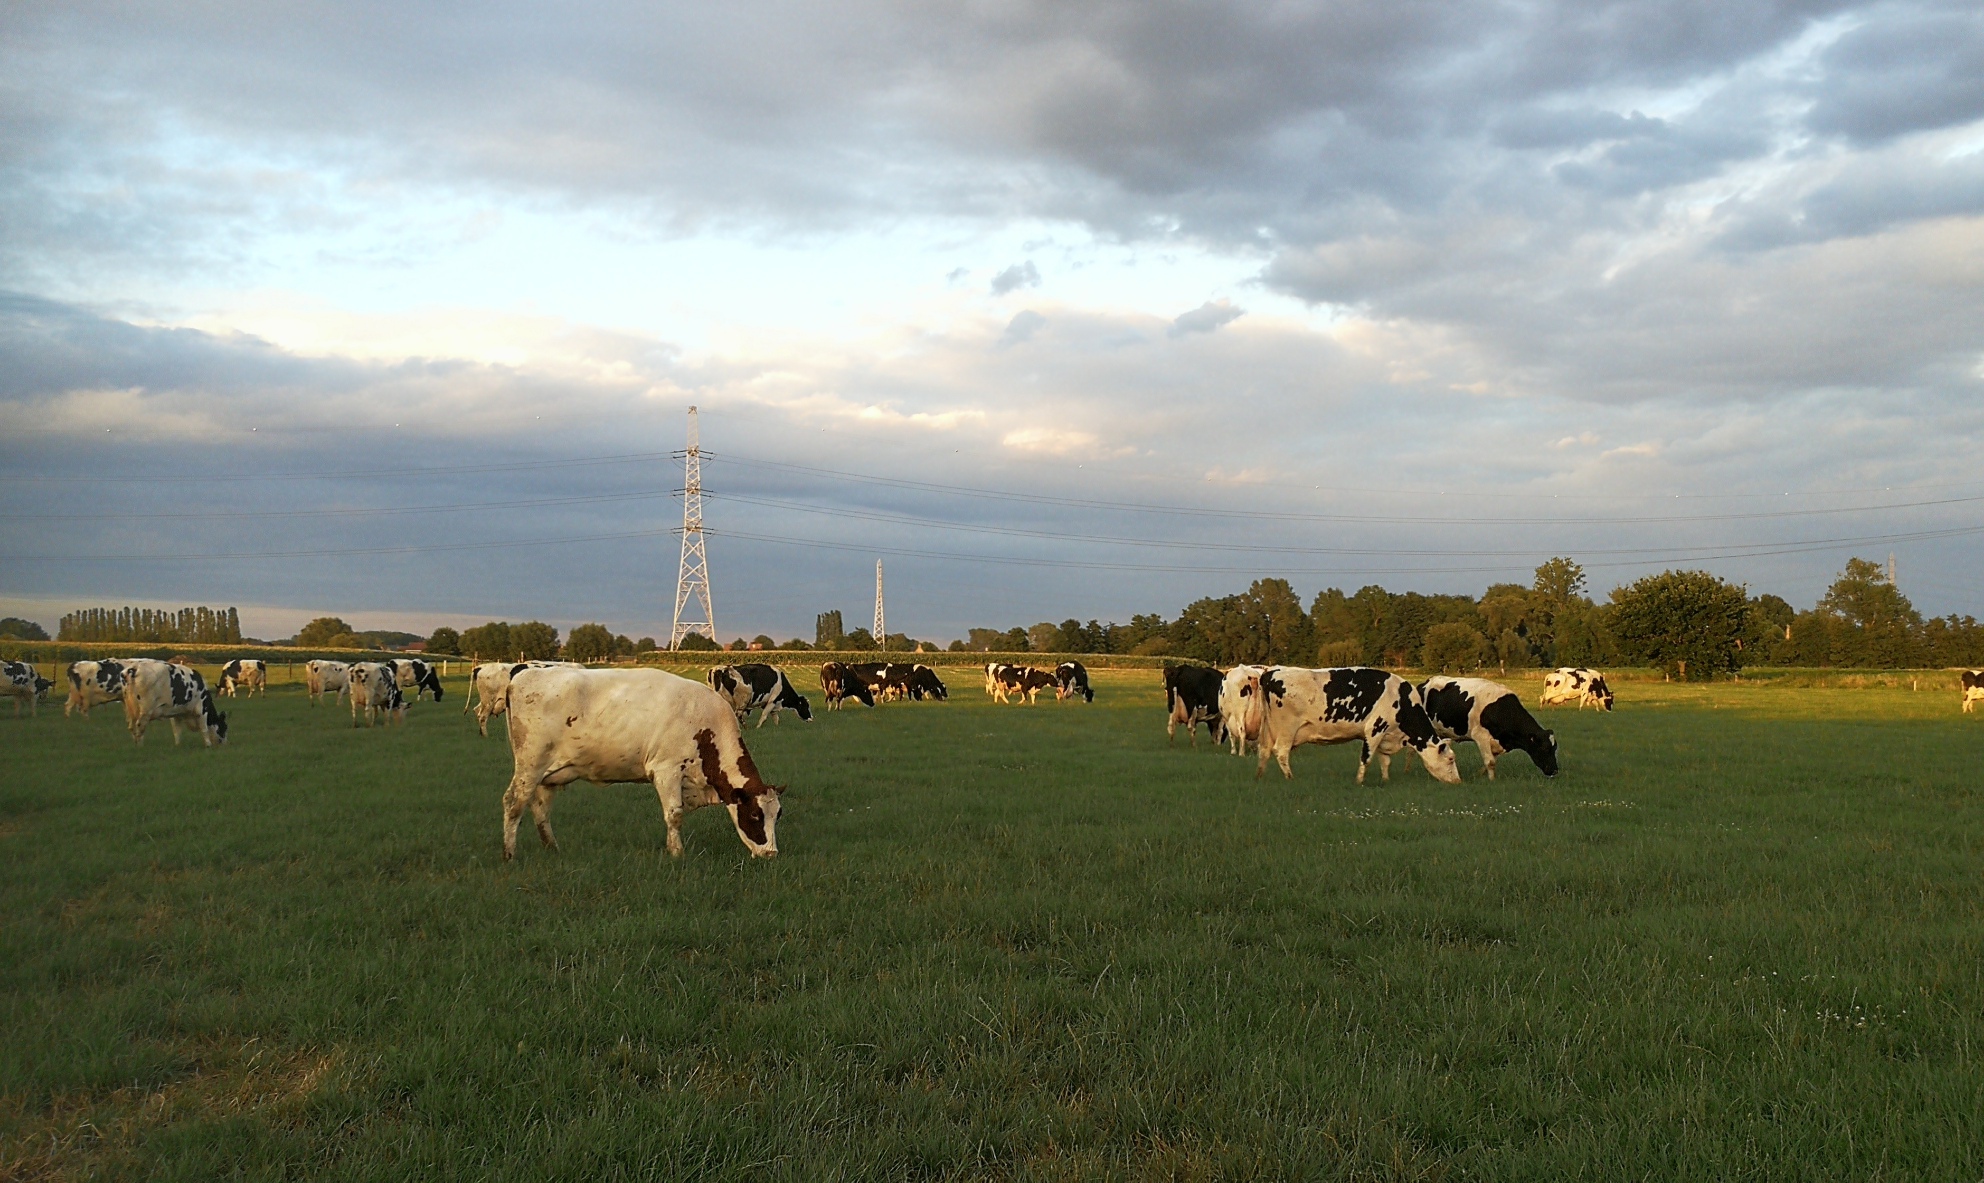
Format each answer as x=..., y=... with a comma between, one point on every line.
x=1286, y=516
x=338, y=473
x=228, y=515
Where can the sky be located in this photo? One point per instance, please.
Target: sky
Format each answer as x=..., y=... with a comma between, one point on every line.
x=395, y=312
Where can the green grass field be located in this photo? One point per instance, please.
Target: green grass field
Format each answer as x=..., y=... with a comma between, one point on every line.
x=1740, y=937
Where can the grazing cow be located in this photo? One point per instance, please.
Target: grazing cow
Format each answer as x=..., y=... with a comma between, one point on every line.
x=628, y=727
x=1582, y=686
x=1379, y=710
x=326, y=677
x=1973, y=687
x=489, y=682
x=166, y=690
x=1490, y=716
x=1191, y=697
x=424, y=678
x=93, y=683
x=1071, y=681
x=840, y=684
x=1239, y=706
x=375, y=691
x=1023, y=683
x=19, y=680
x=759, y=687
x=924, y=683
x=992, y=678
x=245, y=673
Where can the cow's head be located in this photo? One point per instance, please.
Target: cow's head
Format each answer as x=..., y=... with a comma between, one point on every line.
x=212, y=721
x=1438, y=757
x=753, y=804
x=1603, y=693
x=1544, y=752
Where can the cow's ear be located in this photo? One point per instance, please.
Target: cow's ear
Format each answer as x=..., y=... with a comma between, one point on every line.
x=777, y=789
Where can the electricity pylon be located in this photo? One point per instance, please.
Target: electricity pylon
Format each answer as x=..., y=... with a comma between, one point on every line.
x=693, y=580
x=881, y=627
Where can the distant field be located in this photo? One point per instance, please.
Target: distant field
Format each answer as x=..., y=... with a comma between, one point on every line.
x=1741, y=936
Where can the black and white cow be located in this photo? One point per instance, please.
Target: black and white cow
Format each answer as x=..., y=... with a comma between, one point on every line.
x=1379, y=710
x=1239, y=706
x=245, y=673
x=423, y=678
x=1022, y=683
x=924, y=683
x=631, y=727
x=758, y=687
x=1191, y=697
x=93, y=683
x=1973, y=689
x=375, y=692
x=1071, y=681
x=1582, y=686
x=1490, y=716
x=165, y=690
x=18, y=681
x=992, y=669
x=322, y=677
x=839, y=684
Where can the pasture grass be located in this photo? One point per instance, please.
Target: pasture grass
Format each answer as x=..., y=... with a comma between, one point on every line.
x=1738, y=938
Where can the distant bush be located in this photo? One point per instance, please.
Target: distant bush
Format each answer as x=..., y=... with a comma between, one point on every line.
x=697, y=643
x=1455, y=648
x=589, y=642
x=15, y=629
x=444, y=641
x=1335, y=654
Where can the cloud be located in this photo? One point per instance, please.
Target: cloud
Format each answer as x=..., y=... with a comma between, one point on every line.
x=1021, y=328
x=1019, y=275
x=1206, y=318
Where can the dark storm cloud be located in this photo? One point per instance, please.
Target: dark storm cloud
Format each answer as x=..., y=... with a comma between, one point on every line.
x=1904, y=70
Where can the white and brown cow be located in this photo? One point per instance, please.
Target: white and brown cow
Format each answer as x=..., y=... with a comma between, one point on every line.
x=1973, y=689
x=245, y=673
x=21, y=681
x=417, y=674
x=758, y=687
x=1379, y=710
x=1490, y=716
x=629, y=727
x=326, y=677
x=1191, y=697
x=489, y=682
x=1576, y=684
x=1239, y=703
x=156, y=690
x=375, y=692
x=93, y=683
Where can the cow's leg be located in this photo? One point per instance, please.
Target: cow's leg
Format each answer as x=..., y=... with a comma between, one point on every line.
x=1488, y=754
x=1363, y=760
x=540, y=812
x=174, y=720
x=518, y=797
x=668, y=787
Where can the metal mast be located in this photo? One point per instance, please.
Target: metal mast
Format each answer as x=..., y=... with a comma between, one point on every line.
x=693, y=581
x=881, y=628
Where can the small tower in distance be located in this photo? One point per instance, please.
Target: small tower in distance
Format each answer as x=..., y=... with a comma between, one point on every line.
x=692, y=581
x=881, y=625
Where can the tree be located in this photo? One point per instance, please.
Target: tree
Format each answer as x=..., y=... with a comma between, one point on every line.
x=860, y=641
x=490, y=642
x=828, y=632
x=1561, y=580
x=1044, y=638
x=764, y=641
x=445, y=641
x=1686, y=623
x=589, y=642
x=1455, y=647
x=16, y=629
x=795, y=644
x=326, y=632
x=1880, y=622
x=644, y=645
x=534, y=640
x=696, y=643
x=1332, y=654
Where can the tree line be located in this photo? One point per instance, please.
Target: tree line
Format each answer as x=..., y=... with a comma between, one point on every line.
x=1689, y=624
x=187, y=626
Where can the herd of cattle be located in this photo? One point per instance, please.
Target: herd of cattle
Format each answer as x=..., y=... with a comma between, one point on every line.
x=569, y=723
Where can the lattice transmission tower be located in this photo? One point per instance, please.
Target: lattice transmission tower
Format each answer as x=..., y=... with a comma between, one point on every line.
x=692, y=583
x=881, y=626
